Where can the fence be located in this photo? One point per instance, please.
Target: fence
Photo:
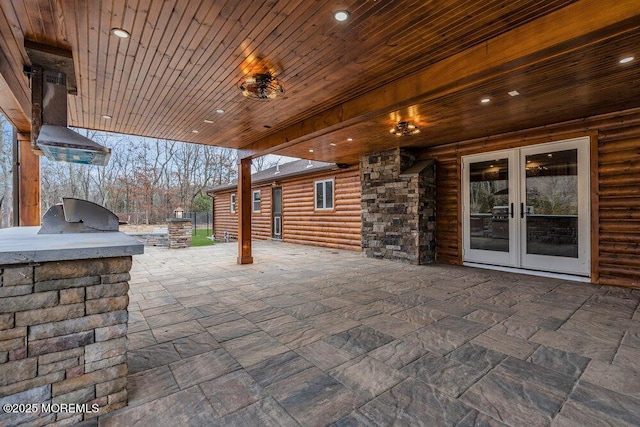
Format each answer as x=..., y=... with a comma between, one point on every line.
x=200, y=221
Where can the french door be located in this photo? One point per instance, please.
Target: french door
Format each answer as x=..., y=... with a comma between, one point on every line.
x=529, y=207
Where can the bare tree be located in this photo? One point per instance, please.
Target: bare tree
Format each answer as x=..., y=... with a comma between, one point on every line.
x=6, y=172
x=264, y=162
x=145, y=178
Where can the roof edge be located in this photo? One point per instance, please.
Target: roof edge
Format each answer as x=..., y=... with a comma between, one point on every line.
x=330, y=167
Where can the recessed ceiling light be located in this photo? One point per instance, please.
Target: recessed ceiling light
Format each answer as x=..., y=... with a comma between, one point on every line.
x=485, y=100
x=194, y=131
x=349, y=139
x=514, y=93
x=311, y=151
x=119, y=32
x=106, y=116
x=219, y=111
x=627, y=59
x=333, y=144
x=208, y=121
x=549, y=155
x=341, y=15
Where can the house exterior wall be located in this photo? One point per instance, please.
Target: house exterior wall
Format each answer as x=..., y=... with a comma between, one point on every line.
x=301, y=223
x=615, y=198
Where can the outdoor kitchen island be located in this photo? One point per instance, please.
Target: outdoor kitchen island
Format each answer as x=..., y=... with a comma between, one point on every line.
x=63, y=324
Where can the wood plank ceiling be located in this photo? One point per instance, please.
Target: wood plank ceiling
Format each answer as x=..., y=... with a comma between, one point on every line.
x=185, y=58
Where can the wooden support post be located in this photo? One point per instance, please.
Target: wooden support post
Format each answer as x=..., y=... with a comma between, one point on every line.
x=244, y=212
x=29, y=182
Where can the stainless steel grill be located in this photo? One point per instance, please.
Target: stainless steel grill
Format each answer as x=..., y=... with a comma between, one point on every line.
x=78, y=216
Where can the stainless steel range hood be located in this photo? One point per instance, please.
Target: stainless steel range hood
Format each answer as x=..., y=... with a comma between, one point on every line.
x=62, y=144
x=55, y=139
x=49, y=117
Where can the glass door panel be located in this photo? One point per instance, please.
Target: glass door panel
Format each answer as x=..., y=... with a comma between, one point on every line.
x=552, y=203
x=489, y=205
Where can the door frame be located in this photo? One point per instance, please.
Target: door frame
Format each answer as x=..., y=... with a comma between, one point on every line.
x=505, y=259
x=587, y=161
x=581, y=265
x=276, y=216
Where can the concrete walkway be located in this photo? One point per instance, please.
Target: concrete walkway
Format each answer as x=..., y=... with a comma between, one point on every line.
x=309, y=336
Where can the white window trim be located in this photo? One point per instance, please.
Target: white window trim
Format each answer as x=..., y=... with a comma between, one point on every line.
x=233, y=203
x=333, y=195
x=253, y=201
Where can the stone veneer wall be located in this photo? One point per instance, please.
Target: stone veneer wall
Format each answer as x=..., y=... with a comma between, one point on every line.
x=179, y=233
x=151, y=239
x=63, y=329
x=398, y=212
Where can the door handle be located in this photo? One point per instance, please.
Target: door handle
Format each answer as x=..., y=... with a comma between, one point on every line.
x=511, y=213
x=521, y=210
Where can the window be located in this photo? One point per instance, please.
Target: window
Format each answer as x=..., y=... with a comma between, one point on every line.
x=256, y=201
x=324, y=194
x=233, y=203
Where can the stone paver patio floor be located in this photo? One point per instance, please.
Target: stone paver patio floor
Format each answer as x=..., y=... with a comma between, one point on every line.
x=310, y=336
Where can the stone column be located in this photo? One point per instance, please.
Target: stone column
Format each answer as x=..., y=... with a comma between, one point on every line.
x=398, y=207
x=179, y=232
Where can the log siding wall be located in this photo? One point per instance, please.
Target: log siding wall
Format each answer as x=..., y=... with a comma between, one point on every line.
x=615, y=197
x=337, y=228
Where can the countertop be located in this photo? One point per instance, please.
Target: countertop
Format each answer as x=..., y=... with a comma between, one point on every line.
x=19, y=245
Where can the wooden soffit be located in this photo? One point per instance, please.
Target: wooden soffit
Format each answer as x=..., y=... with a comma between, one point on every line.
x=574, y=28
x=391, y=61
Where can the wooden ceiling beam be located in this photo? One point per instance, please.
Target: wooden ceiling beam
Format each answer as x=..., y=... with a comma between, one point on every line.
x=16, y=103
x=575, y=26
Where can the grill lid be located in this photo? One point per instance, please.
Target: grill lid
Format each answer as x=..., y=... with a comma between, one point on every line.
x=78, y=216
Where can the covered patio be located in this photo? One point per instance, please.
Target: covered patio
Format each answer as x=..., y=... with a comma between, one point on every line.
x=314, y=336
x=452, y=111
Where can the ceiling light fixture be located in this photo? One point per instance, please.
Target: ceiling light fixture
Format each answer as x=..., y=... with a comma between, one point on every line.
x=310, y=150
x=208, y=121
x=341, y=15
x=219, y=111
x=349, y=139
x=119, y=32
x=626, y=60
x=261, y=87
x=194, y=131
x=404, y=129
x=485, y=100
x=107, y=117
x=333, y=144
x=514, y=93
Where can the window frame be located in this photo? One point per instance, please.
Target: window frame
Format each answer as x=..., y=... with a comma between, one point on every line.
x=232, y=200
x=324, y=194
x=253, y=201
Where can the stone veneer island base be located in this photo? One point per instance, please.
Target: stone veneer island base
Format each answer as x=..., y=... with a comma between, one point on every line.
x=63, y=325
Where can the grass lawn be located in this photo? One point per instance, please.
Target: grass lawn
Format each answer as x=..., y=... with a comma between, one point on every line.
x=200, y=238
